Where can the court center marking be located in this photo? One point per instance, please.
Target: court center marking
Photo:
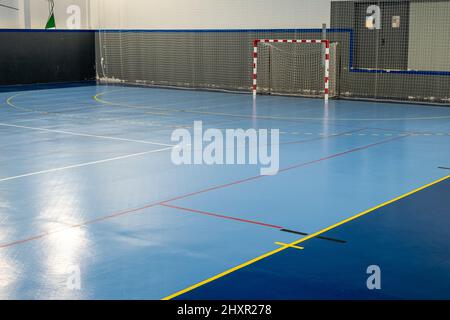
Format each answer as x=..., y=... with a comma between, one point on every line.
x=96, y=98
x=295, y=243
x=86, y=135
x=289, y=245
x=128, y=211
x=85, y=164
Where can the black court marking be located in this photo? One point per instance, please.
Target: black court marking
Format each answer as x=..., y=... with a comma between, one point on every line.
x=444, y=168
x=319, y=237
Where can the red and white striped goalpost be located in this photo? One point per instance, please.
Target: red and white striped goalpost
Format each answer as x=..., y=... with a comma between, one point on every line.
x=300, y=41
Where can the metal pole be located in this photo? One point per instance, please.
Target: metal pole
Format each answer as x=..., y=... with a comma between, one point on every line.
x=26, y=14
x=324, y=37
x=88, y=15
x=326, y=61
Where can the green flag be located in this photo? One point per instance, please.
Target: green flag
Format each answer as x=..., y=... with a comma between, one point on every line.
x=51, y=24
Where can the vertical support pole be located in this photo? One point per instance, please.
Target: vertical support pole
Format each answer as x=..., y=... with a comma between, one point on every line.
x=326, y=60
x=26, y=9
x=255, y=67
x=327, y=69
x=88, y=15
x=324, y=37
x=324, y=31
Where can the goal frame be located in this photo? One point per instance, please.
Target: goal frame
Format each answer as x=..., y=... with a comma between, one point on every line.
x=325, y=43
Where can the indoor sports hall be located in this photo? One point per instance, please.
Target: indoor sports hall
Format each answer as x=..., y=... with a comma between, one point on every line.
x=224, y=150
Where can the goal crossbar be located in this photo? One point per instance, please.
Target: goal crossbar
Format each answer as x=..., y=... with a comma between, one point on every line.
x=326, y=43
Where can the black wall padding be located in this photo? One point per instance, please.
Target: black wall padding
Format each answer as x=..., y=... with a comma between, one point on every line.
x=46, y=56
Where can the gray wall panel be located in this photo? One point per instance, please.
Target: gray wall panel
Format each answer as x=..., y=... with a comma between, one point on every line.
x=429, y=40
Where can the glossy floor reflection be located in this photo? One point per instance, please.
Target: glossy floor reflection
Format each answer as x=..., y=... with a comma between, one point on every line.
x=87, y=183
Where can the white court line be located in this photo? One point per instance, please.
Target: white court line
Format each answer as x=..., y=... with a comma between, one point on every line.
x=84, y=164
x=86, y=135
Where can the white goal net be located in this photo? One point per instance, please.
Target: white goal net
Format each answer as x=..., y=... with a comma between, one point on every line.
x=295, y=67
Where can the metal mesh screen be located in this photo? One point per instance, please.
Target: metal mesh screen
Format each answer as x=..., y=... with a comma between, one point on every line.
x=295, y=69
x=383, y=50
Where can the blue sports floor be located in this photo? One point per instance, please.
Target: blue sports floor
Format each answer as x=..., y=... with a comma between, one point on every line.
x=87, y=184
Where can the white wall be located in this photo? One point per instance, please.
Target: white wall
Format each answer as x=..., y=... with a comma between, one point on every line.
x=175, y=14
x=9, y=18
x=39, y=12
x=210, y=14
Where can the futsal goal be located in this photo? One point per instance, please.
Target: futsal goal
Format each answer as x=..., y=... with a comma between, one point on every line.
x=301, y=67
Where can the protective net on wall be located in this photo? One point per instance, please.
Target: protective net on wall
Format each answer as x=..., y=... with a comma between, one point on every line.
x=383, y=50
x=398, y=50
x=182, y=59
x=191, y=59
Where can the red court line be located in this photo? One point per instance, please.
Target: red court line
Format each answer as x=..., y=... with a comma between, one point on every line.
x=221, y=216
x=125, y=212
x=80, y=225
x=342, y=153
x=285, y=169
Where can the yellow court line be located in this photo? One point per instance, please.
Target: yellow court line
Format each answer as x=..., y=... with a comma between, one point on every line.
x=243, y=265
x=11, y=104
x=97, y=97
x=288, y=245
x=99, y=100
